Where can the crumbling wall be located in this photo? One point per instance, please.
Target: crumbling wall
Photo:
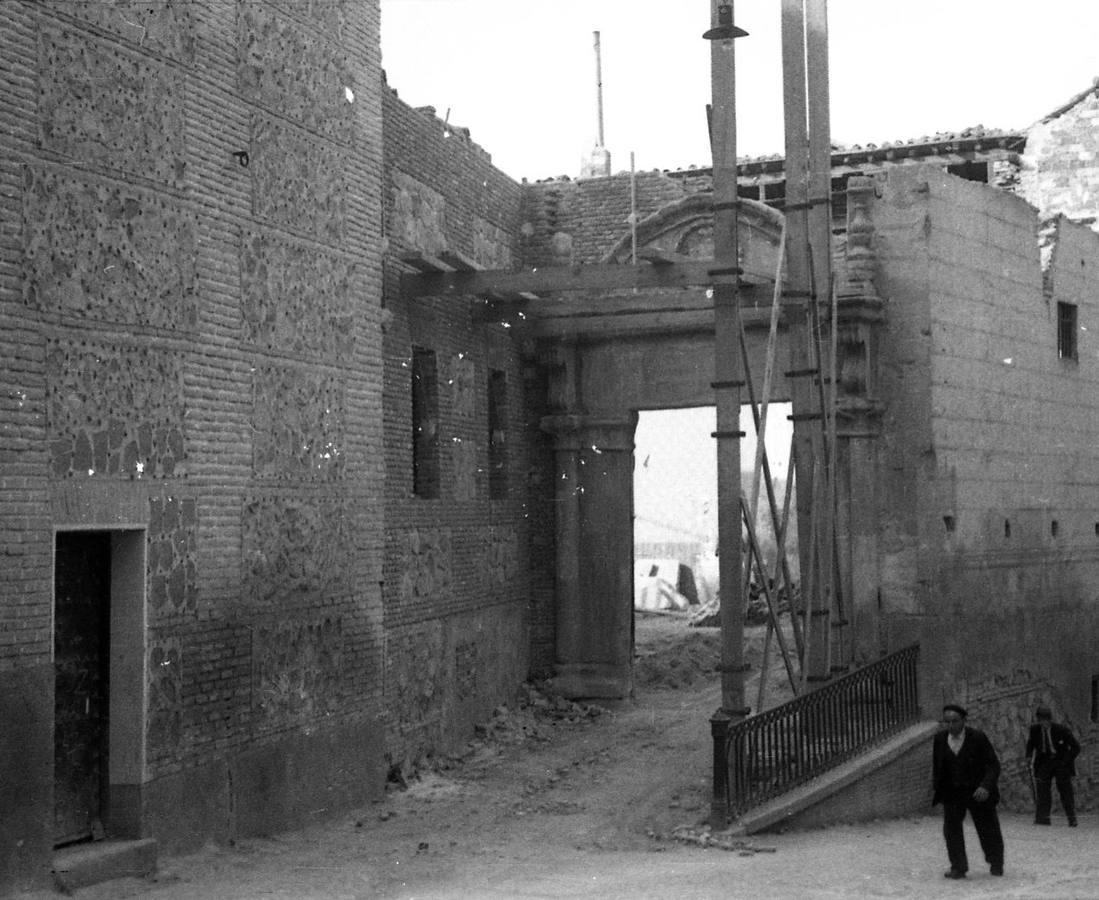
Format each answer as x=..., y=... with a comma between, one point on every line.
x=1061, y=168
x=458, y=565
x=190, y=288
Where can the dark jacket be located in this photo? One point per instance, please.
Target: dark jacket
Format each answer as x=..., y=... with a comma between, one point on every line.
x=978, y=767
x=1065, y=749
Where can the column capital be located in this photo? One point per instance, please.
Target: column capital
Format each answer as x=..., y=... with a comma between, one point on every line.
x=599, y=433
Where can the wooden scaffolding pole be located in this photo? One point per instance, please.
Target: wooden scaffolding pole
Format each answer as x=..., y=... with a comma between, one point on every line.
x=726, y=385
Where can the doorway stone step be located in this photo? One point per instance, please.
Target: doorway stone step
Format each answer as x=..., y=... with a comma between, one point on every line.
x=85, y=864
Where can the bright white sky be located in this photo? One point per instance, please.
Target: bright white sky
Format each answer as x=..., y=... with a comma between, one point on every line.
x=521, y=74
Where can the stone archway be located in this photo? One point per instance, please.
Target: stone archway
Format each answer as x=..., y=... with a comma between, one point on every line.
x=651, y=349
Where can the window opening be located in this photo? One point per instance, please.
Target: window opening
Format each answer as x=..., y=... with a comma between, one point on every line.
x=1066, y=331
x=425, y=424
x=497, y=434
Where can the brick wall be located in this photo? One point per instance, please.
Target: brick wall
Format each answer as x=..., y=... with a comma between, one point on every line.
x=899, y=788
x=190, y=298
x=460, y=575
x=574, y=222
x=989, y=543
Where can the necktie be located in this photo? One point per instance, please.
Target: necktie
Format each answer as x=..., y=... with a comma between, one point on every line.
x=1047, y=744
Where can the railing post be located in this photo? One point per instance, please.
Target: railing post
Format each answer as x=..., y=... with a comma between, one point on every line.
x=719, y=801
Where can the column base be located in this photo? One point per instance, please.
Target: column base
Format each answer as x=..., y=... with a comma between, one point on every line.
x=596, y=681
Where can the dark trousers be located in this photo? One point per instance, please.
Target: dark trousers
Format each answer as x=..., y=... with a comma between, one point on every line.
x=1043, y=786
x=987, y=824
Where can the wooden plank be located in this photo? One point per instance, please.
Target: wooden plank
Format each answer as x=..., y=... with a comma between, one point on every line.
x=424, y=262
x=459, y=261
x=555, y=279
x=754, y=297
x=638, y=324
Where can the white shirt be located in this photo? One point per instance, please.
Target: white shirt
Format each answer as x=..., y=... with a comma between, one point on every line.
x=955, y=743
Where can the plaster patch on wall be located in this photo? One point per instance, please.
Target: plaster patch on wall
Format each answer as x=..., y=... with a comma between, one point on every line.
x=467, y=669
x=463, y=386
x=165, y=709
x=294, y=551
x=416, y=677
x=296, y=298
x=491, y=247
x=114, y=410
x=282, y=67
x=502, y=556
x=298, y=420
x=109, y=254
x=111, y=107
x=418, y=219
x=172, y=553
x=428, y=563
x=165, y=26
x=1002, y=705
x=465, y=456
x=298, y=180
x=296, y=670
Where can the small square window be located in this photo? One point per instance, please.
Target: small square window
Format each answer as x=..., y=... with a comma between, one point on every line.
x=1067, y=327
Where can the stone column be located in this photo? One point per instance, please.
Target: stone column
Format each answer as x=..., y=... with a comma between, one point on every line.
x=594, y=512
x=860, y=314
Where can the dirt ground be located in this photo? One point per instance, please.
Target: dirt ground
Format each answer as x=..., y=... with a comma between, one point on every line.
x=559, y=800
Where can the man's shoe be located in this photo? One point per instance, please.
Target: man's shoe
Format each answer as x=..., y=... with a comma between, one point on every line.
x=1041, y=822
x=1071, y=823
x=953, y=873
x=997, y=870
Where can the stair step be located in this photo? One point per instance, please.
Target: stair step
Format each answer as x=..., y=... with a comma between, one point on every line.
x=85, y=864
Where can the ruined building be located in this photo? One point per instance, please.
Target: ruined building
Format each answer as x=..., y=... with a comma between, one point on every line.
x=270, y=524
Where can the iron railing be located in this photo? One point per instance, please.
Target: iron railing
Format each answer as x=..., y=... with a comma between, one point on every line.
x=781, y=748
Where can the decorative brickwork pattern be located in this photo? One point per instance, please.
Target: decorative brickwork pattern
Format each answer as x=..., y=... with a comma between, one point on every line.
x=165, y=27
x=313, y=88
x=295, y=298
x=327, y=16
x=298, y=181
x=298, y=421
x=93, y=101
x=107, y=253
x=114, y=410
x=172, y=557
x=294, y=551
x=191, y=207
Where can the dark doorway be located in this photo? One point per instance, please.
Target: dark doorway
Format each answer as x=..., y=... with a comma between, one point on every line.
x=82, y=620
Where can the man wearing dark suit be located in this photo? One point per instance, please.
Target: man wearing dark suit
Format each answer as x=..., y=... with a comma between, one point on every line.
x=1051, y=752
x=965, y=770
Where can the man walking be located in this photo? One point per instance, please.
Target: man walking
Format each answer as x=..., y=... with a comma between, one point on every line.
x=965, y=770
x=1051, y=752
